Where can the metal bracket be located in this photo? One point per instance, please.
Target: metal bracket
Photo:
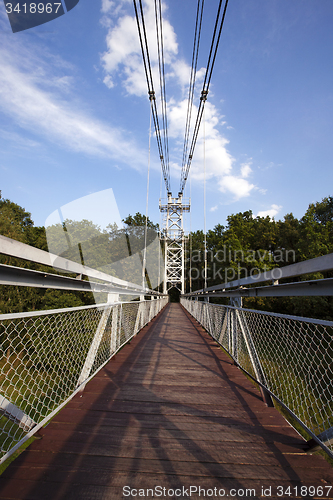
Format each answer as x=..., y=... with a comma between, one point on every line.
x=325, y=437
x=15, y=414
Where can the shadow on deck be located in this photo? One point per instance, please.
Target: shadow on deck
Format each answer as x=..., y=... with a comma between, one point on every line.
x=170, y=411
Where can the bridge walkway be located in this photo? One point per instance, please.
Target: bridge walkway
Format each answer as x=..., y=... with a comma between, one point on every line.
x=170, y=411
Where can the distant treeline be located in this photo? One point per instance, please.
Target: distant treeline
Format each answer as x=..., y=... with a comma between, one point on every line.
x=17, y=224
x=103, y=249
x=246, y=245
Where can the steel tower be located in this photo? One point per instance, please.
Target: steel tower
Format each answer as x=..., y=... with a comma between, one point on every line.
x=174, y=242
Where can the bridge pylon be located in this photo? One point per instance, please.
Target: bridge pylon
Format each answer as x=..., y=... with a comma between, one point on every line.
x=174, y=238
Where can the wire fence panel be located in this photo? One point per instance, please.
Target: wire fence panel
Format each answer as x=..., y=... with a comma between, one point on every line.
x=47, y=358
x=291, y=357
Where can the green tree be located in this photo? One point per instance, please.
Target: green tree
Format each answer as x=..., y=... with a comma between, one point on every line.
x=139, y=220
x=249, y=244
x=16, y=223
x=316, y=230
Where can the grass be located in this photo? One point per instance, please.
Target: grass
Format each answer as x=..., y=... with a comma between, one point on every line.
x=16, y=454
x=39, y=368
x=293, y=422
x=290, y=419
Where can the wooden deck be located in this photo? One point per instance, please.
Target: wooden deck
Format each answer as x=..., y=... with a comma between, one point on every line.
x=169, y=411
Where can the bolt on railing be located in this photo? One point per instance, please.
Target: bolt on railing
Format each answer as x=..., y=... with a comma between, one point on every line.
x=289, y=356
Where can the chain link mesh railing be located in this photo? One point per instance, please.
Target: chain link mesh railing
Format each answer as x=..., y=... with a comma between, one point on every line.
x=47, y=356
x=291, y=357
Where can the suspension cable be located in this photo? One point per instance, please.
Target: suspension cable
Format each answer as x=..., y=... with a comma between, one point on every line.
x=151, y=92
x=205, y=228
x=163, y=147
x=190, y=236
x=205, y=89
x=160, y=239
x=194, y=64
x=160, y=50
x=147, y=200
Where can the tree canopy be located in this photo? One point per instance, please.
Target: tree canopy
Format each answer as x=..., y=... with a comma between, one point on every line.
x=245, y=244
x=16, y=223
x=249, y=244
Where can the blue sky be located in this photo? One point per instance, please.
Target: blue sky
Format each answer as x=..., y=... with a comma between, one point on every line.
x=74, y=111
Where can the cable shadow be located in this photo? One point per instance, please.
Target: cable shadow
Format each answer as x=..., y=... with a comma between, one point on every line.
x=238, y=390
x=127, y=430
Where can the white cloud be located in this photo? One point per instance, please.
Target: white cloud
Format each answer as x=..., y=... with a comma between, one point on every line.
x=239, y=187
x=122, y=62
x=37, y=95
x=181, y=71
x=218, y=160
x=123, y=56
x=271, y=212
x=213, y=209
x=246, y=169
x=20, y=142
x=270, y=165
x=108, y=82
x=107, y=5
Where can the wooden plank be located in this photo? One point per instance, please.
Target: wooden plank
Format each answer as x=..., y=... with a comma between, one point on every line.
x=229, y=454
x=70, y=416
x=195, y=469
x=170, y=409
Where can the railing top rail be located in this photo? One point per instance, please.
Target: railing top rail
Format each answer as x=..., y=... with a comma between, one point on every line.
x=276, y=315
x=310, y=288
x=10, y=275
x=47, y=312
x=23, y=251
x=319, y=264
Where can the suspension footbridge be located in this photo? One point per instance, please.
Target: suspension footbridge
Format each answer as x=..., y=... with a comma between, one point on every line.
x=170, y=414
x=134, y=396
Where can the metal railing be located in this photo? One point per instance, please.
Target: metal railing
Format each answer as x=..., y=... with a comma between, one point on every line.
x=289, y=356
x=48, y=356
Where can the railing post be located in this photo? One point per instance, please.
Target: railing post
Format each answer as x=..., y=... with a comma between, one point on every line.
x=225, y=328
x=90, y=359
x=258, y=370
x=114, y=328
x=209, y=322
x=233, y=331
x=138, y=318
x=151, y=309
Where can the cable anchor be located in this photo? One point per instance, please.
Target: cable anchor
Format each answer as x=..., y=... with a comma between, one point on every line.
x=204, y=95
